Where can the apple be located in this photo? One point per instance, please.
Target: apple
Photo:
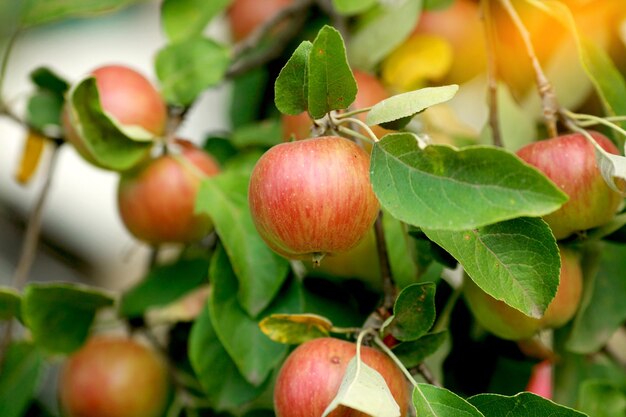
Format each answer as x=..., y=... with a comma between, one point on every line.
x=508, y=323
x=313, y=197
x=113, y=377
x=570, y=162
x=126, y=96
x=310, y=378
x=156, y=200
x=540, y=381
x=370, y=92
x=246, y=15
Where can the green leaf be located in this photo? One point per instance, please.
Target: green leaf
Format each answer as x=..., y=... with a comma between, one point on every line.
x=254, y=353
x=516, y=261
x=59, y=315
x=19, y=378
x=47, y=80
x=331, y=85
x=409, y=104
x=187, y=68
x=183, y=19
x=37, y=12
x=376, y=39
x=415, y=352
x=108, y=145
x=602, y=308
x=352, y=7
x=295, y=329
x=523, y=404
x=9, y=303
x=290, y=88
x=223, y=385
x=364, y=389
x=163, y=285
x=44, y=109
x=431, y=401
x=259, y=271
x=437, y=4
x=248, y=95
x=265, y=133
x=413, y=312
x=400, y=250
x=439, y=187
x=602, y=399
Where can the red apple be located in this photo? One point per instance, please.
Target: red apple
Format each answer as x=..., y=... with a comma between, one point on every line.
x=246, y=15
x=156, y=200
x=508, y=323
x=370, y=92
x=310, y=378
x=540, y=381
x=313, y=197
x=113, y=377
x=126, y=96
x=570, y=162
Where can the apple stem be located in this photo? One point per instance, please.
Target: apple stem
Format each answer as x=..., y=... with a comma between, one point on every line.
x=348, y=120
x=590, y=120
x=395, y=359
x=546, y=92
x=317, y=258
x=492, y=73
x=353, y=133
x=352, y=113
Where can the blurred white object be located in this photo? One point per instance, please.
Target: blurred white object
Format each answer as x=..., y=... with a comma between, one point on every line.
x=81, y=211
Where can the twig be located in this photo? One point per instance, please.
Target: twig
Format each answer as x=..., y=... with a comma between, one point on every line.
x=492, y=73
x=385, y=268
x=5, y=61
x=546, y=92
x=426, y=373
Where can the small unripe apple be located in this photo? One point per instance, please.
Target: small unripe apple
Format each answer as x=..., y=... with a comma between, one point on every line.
x=310, y=378
x=113, y=377
x=156, y=200
x=508, y=323
x=570, y=162
x=313, y=197
x=246, y=15
x=370, y=92
x=126, y=96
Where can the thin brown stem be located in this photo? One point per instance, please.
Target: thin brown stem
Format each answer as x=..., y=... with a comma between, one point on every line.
x=5, y=60
x=546, y=92
x=492, y=73
x=426, y=373
x=389, y=287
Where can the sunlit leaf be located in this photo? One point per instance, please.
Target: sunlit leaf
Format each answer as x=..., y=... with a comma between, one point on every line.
x=295, y=329
x=38, y=12
x=431, y=401
x=183, y=19
x=523, y=404
x=351, y=7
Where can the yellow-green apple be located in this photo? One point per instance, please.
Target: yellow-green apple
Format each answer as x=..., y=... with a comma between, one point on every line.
x=246, y=15
x=508, y=323
x=113, y=377
x=156, y=200
x=313, y=197
x=370, y=91
x=127, y=97
x=310, y=378
x=570, y=162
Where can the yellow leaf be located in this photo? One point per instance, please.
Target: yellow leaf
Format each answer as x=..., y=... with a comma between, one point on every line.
x=31, y=156
x=419, y=60
x=295, y=328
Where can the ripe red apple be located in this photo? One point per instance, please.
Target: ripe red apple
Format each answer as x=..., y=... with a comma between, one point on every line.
x=156, y=200
x=125, y=95
x=113, y=377
x=540, y=381
x=370, y=92
x=310, y=378
x=313, y=197
x=570, y=162
x=246, y=15
x=508, y=323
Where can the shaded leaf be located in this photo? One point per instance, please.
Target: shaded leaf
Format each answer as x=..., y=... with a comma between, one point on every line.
x=9, y=303
x=602, y=399
x=439, y=187
x=364, y=389
x=290, y=88
x=409, y=104
x=44, y=109
x=163, y=285
x=431, y=401
x=415, y=352
x=259, y=270
x=413, y=312
x=400, y=252
x=47, y=80
x=295, y=329
x=187, y=68
x=31, y=156
x=331, y=84
x=265, y=133
x=223, y=385
x=59, y=315
x=19, y=377
x=516, y=261
x=38, y=12
x=523, y=404
x=183, y=19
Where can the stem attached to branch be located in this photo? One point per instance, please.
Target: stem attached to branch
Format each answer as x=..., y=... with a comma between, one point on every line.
x=492, y=73
x=546, y=92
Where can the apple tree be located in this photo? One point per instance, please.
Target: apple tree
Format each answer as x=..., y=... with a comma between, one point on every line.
x=418, y=210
